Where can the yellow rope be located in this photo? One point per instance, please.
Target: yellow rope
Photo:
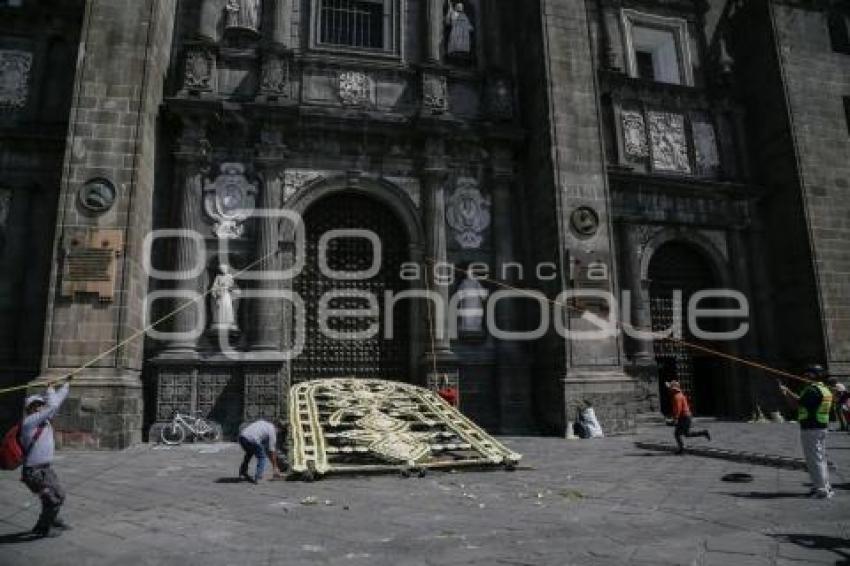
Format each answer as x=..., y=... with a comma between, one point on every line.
x=133, y=336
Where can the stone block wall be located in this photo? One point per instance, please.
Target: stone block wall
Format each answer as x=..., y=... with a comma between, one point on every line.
x=816, y=81
x=125, y=50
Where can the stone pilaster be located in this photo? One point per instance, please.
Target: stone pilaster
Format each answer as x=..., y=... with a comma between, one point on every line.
x=514, y=379
x=435, y=174
x=189, y=180
x=434, y=30
x=282, y=22
x=268, y=318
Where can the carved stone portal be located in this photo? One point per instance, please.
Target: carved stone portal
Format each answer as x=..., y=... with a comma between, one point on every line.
x=229, y=201
x=669, y=145
x=634, y=134
x=294, y=180
x=435, y=95
x=14, y=78
x=355, y=88
x=468, y=214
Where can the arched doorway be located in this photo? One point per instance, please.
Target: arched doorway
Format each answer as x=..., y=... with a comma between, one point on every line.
x=680, y=266
x=376, y=356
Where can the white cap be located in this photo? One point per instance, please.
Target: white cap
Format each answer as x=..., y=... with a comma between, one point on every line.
x=33, y=399
x=840, y=387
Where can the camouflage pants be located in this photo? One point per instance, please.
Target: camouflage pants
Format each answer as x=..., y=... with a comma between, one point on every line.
x=42, y=481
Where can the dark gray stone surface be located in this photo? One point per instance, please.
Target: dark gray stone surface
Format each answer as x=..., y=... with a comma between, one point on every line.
x=573, y=502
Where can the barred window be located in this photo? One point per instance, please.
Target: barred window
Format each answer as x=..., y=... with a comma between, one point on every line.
x=368, y=25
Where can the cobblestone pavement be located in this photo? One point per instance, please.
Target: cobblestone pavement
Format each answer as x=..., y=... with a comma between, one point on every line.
x=573, y=502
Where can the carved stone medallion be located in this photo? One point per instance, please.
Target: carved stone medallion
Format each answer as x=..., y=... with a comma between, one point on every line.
x=229, y=201
x=584, y=221
x=468, y=214
x=435, y=98
x=14, y=78
x=355, y=88
x=199, y=69
x=97, y=195
x=634, y=134
x=669, y=145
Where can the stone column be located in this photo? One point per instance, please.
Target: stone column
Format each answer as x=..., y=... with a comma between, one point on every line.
x=514, y=379
x=189, y=180
x=268, y=317
x=434, y=43
x=435, y=174
x=282, y=21
x=640, y=314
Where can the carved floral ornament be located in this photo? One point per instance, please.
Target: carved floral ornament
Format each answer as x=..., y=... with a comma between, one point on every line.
x=435, y=96
x=355, y=88
x=199, y=69
x=276, y=76
x=229, y=201
x=14, y=78
x=634, y=134
x=468, y=214
x=669, y=144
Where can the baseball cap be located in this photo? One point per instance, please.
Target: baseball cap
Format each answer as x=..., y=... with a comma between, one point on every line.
x=33, y=399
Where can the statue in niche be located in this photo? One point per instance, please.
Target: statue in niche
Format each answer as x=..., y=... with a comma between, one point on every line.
x=471, y=305
x=243, y=14
x=224, y=294
x=459, y=38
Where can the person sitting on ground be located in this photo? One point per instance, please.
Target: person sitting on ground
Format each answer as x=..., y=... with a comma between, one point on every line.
x=813, y=406
x=682, y=417
x=258, y=440
x=38, y=443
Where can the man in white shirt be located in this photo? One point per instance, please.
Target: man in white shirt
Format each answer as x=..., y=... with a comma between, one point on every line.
x=38, y=444
x=259, y=440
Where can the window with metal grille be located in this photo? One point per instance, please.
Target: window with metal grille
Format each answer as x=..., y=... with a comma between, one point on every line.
x=354, y=23
x=839, y=32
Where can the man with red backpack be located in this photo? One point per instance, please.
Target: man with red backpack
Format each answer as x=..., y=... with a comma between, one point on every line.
x=37, y=441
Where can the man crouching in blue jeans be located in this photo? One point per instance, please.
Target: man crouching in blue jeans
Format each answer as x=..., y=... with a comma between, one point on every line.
x=259, y=440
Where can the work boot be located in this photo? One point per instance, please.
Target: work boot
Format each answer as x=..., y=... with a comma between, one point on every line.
x=60, y=524
x=45, y=532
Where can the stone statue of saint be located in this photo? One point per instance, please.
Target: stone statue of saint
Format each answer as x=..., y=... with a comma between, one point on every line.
x=459, y=40
x=470, y=313
x=224, y=294
x=243, y=14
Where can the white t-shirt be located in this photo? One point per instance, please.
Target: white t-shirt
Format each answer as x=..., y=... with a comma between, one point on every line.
x=261, y=432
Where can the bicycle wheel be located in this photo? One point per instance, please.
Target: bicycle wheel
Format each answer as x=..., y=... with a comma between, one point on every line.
x=212, y=433
x=172, y=434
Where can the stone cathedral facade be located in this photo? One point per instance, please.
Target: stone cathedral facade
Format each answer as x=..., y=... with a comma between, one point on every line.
x=154, y=154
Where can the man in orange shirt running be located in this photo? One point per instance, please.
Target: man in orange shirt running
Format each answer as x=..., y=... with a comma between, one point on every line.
x=682, y=417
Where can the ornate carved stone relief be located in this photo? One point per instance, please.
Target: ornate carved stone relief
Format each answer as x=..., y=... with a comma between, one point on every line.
x=705, y=146
x=669, y=145
x=634, y=134
x=355, y=88
x=276, y=76
x=200, y=65
x=435, y=95
x=15, y=68
x=468, y=213
x=229, y=201
x=500, y=98
x=295, y=179
x=644, y=233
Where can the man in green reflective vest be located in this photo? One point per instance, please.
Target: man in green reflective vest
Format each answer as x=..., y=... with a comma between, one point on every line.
x=813, y=406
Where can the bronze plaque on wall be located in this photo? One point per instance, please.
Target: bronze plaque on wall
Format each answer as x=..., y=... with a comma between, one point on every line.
x=90, y=262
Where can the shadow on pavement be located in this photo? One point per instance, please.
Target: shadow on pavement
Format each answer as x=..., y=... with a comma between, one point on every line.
x=771, y=494
x=840, y=546
x=229, y=480
x=17, y=538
